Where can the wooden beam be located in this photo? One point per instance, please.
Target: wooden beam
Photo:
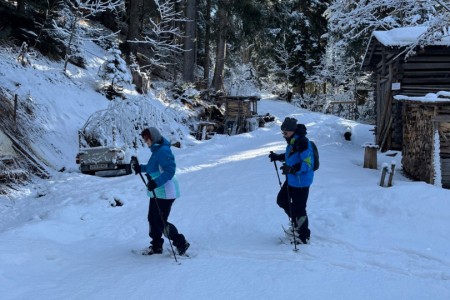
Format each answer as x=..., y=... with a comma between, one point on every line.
x=429, y=80
x=426, y=66
x=428, y=58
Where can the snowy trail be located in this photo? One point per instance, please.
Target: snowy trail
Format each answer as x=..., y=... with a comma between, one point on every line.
x=72, y=244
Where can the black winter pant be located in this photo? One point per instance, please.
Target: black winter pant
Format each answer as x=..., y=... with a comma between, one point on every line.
x=155, y=220
x=299, y=198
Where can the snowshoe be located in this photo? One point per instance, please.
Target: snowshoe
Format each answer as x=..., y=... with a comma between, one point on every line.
x=152, y=250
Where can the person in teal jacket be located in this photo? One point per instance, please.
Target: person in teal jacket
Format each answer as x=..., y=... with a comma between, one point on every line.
x=298, y=167
x=162, y=182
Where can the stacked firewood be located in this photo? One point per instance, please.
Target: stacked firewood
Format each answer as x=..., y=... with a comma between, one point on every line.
x=418, y=141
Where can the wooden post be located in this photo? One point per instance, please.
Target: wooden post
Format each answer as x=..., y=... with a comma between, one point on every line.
x=370, y=156
x=383, y=175
x=79, y=139
x=391, y=175
x=15, y=109
x=203, y=137
x=114, y=135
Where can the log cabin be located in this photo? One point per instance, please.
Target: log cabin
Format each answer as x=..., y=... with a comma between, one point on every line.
x=428, y=71
x=411, y=102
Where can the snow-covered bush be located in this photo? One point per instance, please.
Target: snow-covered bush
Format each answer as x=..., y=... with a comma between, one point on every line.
x=122, y=122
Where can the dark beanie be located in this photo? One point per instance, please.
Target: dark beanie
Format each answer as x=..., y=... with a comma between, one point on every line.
x=146, y=134
x=289, y=124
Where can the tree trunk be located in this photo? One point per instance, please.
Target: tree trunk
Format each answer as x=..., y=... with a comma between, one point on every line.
x=217, y=83
x=207, y=42
x=134, y=21
x=21, y=6
x=176, y=57
x=73, y=28
x=189, y=44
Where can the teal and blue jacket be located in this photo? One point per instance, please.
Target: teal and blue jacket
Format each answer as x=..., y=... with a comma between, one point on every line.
x=161, y=167
x=299, y=155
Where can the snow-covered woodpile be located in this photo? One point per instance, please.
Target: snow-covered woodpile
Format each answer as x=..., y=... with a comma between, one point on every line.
x=426, y=126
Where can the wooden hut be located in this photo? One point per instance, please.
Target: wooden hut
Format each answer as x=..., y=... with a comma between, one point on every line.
x=395, y=74
x=426, y=137
x=238, y=112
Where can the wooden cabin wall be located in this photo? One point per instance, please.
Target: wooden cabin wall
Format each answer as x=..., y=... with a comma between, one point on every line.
x=418, y=142
x=234, y=108
x=427, y=72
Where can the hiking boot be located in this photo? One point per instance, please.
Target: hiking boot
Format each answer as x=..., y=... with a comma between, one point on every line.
x=182, y=249
x=152, y=250
x=304, y=240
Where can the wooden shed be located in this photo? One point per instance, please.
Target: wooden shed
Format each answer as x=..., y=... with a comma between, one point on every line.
x=395, y=74
x=426, y=137
x=238, y=111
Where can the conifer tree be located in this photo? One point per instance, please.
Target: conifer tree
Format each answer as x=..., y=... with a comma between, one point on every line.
x=114, y=69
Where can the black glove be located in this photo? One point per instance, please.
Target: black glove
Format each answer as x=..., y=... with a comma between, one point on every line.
x=151, y=185
x=287, y=169
x=273, y=156
x=135, y=165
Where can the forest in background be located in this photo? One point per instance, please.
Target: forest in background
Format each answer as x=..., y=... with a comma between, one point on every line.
x=309, y=49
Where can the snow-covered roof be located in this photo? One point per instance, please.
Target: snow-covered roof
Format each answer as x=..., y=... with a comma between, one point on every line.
x=405, y=36
x=398, y=37
x=442, y=97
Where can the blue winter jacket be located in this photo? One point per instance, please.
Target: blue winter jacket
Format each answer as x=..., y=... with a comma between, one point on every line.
x=299, y=155
x=161, y=167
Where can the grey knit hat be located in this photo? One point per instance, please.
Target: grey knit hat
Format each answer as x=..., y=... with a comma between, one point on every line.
x=289, y=124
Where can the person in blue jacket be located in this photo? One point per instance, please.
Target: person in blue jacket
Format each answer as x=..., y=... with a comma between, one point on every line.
x=162, y=182
x=298, y=167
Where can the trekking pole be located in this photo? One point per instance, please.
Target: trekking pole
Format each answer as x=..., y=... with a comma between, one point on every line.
x=290, y=211
x=160, y=214
x=276, y=170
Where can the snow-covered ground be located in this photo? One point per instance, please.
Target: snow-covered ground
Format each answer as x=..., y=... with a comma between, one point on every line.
x=65, y=240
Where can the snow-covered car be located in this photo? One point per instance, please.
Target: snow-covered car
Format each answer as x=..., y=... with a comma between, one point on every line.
x=104, y=161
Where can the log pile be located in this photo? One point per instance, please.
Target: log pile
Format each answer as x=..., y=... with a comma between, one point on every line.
x=443, y=126
x=420, y=122
x=418, y=139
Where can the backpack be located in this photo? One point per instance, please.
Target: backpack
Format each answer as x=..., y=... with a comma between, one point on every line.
x=316, y=156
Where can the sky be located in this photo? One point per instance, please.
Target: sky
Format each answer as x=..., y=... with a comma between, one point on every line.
x=65, y=237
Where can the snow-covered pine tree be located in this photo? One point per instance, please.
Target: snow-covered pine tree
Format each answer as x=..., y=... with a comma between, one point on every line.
x=114, y=70
x=302, y=25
